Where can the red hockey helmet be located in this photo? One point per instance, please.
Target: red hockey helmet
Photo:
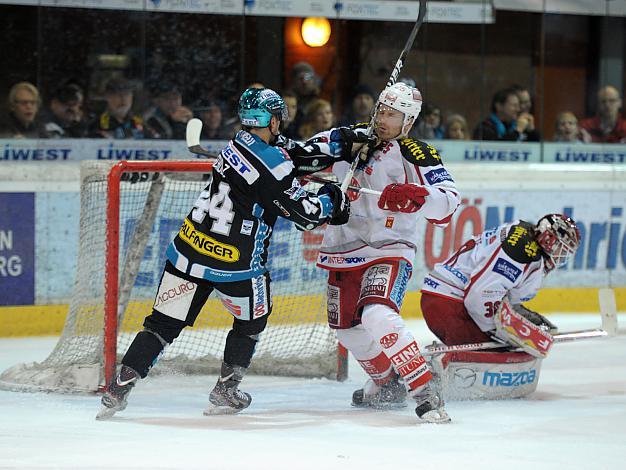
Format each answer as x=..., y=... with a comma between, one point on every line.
x=558, y=237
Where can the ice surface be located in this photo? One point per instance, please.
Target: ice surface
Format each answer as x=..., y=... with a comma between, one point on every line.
x=575, y=420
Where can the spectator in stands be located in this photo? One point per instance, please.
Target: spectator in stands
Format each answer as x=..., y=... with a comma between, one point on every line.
x=21, y=122
x=289, y=125
x=213, y=127
x=319, y=117
x=361, y=106
x=607, y=125
x=306, y=85
x=64, y=118
x=526, y=107
x=117, y=121
x=167, y=119
x=505, y=121
x=568, y=130
x=429, y=125
x=456, y=128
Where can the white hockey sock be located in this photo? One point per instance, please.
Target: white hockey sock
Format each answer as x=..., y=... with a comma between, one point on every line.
x=387, y=328
x=367, y=352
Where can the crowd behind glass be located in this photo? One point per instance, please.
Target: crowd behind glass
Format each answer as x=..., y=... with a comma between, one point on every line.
x=163, y=113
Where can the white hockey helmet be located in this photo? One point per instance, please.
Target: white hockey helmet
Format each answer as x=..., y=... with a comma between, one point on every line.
x=559, y=237
x=403, y=98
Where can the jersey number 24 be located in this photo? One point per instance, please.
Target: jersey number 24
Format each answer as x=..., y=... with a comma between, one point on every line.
x=218, y=207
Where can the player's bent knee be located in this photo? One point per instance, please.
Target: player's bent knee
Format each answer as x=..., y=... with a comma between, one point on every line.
x=167, y=328
x=380, y=317
x=252, y=328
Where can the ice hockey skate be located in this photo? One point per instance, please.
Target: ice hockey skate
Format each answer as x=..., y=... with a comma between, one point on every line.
x=391, y=395
x=115, y=398
x=430, y=405
x=226, y=398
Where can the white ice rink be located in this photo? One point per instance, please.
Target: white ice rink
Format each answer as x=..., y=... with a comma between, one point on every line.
x=575, y=420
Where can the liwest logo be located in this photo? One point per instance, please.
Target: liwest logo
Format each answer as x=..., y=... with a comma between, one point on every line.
x=438, y=175
x=240, y=164
x=509, y=379
x=206, y=245
x=506, y=269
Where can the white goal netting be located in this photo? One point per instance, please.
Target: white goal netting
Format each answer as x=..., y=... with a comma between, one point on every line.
x=296, y=342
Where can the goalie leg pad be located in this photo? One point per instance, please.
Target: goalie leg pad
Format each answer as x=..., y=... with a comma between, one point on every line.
x=482, y=375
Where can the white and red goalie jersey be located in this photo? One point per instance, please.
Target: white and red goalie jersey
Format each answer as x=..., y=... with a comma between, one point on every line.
x=505, y=261
x=373, y=233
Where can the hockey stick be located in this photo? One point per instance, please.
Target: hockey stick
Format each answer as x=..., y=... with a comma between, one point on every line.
x=192, y=134
x=317, y=179
x=558, y=338
x=393, y=78
x=608, y=310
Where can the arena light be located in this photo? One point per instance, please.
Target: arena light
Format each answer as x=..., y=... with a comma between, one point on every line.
x=315, y=31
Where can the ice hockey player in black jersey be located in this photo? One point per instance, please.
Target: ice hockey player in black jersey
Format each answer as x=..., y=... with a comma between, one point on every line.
x=223, y=243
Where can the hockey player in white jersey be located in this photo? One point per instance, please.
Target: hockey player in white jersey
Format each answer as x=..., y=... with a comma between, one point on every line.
x=370, y=258
x=476, y=295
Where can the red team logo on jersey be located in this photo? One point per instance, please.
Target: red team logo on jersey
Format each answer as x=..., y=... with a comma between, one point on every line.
x=389, y=340
x=353, y=195
x=231, y=307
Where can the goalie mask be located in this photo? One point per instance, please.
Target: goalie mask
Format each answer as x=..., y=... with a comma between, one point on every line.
x=558, y=238
x=403, y=98
x=258, y=105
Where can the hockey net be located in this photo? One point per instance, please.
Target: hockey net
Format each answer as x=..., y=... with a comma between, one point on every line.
x=129, y=213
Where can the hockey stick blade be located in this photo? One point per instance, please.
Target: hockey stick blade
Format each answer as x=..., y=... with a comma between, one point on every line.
x=608, y=310
x=192, y=135
x=558, y=338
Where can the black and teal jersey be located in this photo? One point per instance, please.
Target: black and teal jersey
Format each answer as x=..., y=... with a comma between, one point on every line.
x=226, y=235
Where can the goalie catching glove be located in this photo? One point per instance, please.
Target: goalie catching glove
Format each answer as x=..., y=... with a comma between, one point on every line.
x=513, y=328
x=354, y=143
x=403, y=198
x=341, y=204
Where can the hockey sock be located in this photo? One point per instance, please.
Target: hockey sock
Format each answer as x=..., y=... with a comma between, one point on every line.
x=387, y=328
x=368, y=353
x=144, y=352
x=239, y=349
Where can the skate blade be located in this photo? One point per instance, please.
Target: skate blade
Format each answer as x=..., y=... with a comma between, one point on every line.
x=436, y=417
x=379, y=406
x=213, y=410
x=105, y=413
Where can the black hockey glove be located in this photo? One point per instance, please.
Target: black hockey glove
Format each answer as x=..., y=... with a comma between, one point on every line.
x=341, y=204
x=353, y=143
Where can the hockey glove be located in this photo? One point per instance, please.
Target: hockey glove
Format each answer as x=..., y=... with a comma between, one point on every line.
x=341, y=204
x=536, y=318
x=516, y=330
x=403, y=198
x=353, y=143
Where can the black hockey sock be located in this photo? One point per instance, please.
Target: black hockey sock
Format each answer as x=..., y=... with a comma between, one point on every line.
x=239, y=349
x=143, y=352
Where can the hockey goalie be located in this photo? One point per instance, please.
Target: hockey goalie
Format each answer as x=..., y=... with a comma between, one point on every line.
x=477, y=295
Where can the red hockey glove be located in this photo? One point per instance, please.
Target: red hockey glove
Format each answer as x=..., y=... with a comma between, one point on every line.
x=403, y=197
